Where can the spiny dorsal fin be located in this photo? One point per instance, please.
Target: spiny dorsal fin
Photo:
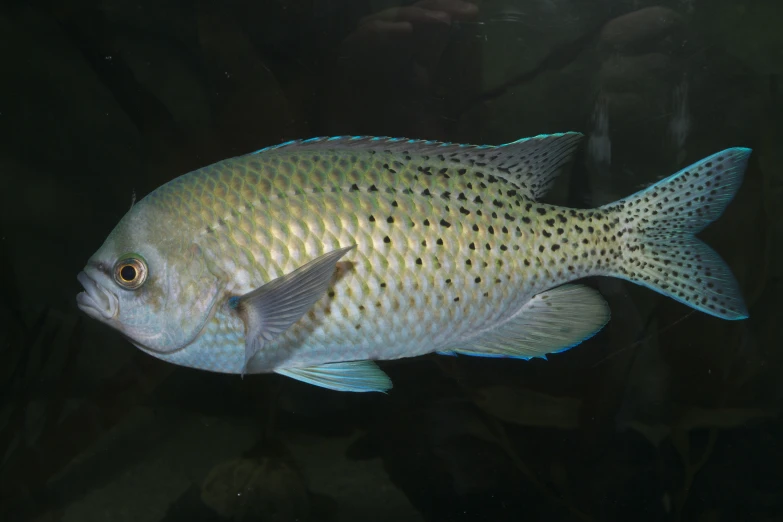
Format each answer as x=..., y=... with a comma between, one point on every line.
x=531, y=163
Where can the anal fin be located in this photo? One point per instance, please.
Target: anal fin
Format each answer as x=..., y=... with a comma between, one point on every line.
x=551, y=322
x=352, y=376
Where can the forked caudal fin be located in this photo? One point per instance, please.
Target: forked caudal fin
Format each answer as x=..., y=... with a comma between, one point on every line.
x=657, y=228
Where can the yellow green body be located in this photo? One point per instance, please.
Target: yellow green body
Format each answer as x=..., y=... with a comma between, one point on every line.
x=450, y=244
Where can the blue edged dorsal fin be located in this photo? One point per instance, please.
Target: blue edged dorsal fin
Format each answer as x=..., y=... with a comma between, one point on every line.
x=531, y=163
x=551, y=322
x=353, y=376
x=271, y=309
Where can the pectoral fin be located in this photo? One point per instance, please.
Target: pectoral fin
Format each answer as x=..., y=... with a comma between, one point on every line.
x=353, y=376
x=271, y=309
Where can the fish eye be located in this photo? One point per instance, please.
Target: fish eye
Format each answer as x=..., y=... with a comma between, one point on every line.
x=130, y=272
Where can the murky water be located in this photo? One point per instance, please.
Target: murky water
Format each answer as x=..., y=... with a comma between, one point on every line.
x=666, y=414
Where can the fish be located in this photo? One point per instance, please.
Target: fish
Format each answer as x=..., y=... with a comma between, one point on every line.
x=316, y=258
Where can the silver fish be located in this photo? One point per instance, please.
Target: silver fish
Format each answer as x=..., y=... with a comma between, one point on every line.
x=314, y=258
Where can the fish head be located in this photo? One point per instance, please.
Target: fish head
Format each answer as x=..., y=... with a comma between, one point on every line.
x=151, y=281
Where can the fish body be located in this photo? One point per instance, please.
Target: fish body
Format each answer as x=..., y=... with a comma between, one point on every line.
x=315, y=257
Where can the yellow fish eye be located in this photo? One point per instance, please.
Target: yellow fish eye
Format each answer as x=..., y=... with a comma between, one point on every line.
x=130, y=272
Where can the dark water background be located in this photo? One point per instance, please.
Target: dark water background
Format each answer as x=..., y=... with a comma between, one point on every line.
x=667, y=414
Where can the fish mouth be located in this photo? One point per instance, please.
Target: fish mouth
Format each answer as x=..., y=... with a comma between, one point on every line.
x=96, y=301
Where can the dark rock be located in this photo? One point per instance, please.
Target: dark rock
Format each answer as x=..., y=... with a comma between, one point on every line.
x=518, y=37
x=640, y=27
x=628, y=73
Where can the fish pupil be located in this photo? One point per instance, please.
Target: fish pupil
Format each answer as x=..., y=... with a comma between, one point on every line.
x=128, y=273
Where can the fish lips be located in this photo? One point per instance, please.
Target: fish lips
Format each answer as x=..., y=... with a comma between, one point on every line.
x=96, y=301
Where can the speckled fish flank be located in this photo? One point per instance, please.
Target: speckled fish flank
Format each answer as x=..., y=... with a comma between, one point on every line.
x=314, y=258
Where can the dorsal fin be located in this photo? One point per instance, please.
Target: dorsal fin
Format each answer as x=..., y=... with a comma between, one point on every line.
x=531, y=163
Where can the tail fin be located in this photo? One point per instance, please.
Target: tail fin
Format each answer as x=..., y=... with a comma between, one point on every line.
x=657, y=235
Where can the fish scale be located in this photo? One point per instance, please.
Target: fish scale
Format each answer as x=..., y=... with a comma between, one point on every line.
x=456, y=234
x=452, y=252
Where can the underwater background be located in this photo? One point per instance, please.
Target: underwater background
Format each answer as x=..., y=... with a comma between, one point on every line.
x=666, y=415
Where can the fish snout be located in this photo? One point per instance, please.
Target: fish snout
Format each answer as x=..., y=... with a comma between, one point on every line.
x=96, y=301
